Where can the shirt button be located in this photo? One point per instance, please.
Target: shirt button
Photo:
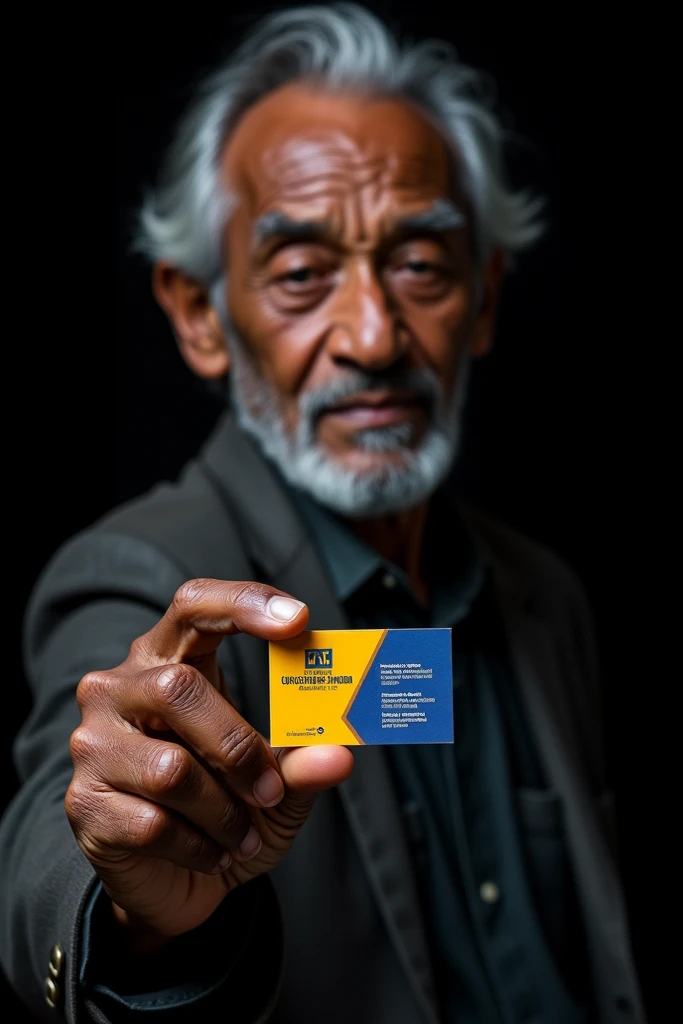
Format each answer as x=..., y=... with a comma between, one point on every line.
x=489, y=892
x=389, y=581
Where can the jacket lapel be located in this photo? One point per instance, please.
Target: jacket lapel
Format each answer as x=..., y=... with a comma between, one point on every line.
x=276, y=541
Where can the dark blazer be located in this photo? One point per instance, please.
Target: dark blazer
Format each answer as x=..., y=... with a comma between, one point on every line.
x=353, y=940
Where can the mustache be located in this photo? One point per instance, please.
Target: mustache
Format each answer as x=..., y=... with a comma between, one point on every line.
x=419, y=381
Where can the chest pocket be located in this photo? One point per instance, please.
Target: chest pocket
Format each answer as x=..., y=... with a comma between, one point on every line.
x=542, y=827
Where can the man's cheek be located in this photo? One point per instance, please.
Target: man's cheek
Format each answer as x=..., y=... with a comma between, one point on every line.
x=275, y=357
x=446, y=344
x=291, y=417
x=295, y=361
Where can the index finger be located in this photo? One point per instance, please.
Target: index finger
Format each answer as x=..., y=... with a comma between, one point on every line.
x=224, y=741
x=203, y=611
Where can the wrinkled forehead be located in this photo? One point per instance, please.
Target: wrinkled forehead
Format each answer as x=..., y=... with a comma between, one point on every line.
x=296, y=146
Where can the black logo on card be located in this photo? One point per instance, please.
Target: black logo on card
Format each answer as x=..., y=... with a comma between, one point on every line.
x=318, y=657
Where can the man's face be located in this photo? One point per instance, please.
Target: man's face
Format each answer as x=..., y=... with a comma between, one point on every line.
x=351, y=283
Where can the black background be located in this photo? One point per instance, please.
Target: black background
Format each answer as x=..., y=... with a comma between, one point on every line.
x=559, y=438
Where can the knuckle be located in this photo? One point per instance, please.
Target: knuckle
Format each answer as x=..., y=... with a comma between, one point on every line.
x=252, y=596
x=139, y=650
x=240, y=748
x=78, y=804
x=168, y=771
x=83, y=743
x=196, y=846
x=229, y=816
x=93, y=687
x=187, y=596
x=176, y=686
x=144, y=826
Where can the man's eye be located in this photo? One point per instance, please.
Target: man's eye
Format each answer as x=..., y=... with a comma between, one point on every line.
x=300, y=276
x=422, y=267
x=300, y=288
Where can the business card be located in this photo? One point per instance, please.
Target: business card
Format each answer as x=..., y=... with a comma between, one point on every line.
x=362, y=686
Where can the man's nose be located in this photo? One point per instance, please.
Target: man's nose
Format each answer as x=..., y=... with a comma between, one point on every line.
x=365, y=325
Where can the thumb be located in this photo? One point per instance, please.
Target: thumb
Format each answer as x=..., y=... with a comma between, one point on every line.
x=306, y=771
x=309, y=770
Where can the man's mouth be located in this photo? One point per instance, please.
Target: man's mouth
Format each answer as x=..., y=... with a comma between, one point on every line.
x=376, y=409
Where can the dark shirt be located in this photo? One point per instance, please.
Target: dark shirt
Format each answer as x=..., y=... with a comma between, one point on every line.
x=498, y=896
x=485, y=831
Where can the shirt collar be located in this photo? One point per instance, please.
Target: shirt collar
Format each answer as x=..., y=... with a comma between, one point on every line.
x=455, y=565
x=350, y=562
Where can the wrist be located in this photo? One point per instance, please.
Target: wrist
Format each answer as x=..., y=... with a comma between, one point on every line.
x=139, y=939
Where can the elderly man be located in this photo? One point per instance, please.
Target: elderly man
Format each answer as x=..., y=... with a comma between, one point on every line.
x=330, y=235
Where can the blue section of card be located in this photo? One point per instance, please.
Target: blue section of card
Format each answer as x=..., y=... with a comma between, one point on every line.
x=407, y=694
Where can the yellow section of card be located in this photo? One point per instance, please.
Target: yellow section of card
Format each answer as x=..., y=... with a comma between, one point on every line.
x=313, y=680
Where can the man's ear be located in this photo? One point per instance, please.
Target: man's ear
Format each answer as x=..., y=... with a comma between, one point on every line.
x=196, y=324
x=490, y=280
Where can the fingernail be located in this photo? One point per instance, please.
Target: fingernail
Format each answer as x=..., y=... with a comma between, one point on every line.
x=268, y=789
x=251, y=844
x=283, y=608
x=223, y=863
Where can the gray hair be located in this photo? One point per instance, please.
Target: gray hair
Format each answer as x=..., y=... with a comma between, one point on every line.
x=340, y=46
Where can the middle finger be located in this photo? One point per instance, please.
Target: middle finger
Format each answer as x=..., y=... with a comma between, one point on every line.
x=181, y=696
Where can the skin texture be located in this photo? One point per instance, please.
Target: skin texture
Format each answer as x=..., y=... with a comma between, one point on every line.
x=364, y=295
x=360, y=302
x=165, y=798
x=175, y=799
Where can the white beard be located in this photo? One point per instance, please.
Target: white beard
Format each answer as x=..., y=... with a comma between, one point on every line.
x=307, y=466
x=355, y=493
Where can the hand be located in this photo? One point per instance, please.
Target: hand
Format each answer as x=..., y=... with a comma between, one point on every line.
x=175, y=798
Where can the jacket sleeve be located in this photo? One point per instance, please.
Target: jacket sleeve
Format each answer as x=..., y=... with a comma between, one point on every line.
x=100, y=592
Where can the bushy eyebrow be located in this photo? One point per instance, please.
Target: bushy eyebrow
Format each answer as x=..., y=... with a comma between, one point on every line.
x=441, y=216
x=276, y=224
